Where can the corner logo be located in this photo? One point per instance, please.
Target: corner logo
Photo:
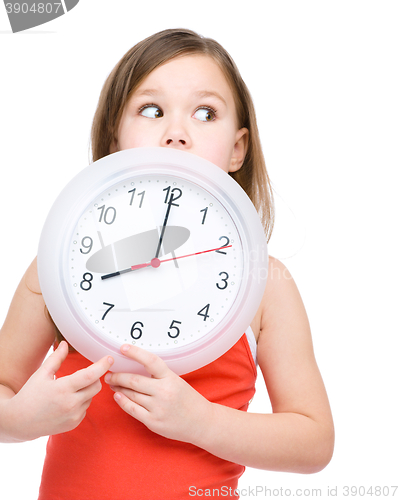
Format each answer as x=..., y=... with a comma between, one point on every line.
x=25, y=14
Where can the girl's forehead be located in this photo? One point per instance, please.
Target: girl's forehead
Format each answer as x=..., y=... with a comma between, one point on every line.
x=193, y=73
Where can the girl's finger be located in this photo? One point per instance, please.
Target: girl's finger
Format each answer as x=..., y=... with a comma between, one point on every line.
x=135, y=410
x=53, y=363
x=136, y=397
x=138, y=383
x=86, y=377
x=154, y=365
x=90, y=391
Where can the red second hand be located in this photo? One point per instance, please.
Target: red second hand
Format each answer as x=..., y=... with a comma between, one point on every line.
x=156, y=262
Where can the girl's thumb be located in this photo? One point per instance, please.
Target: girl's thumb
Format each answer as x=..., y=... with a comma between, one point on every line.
x=53, y=363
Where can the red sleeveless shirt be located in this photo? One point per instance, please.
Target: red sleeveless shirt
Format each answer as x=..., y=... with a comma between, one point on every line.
x=112, y=456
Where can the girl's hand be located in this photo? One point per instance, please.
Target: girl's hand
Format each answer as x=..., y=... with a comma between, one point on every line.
x=165, y=403
x=46, y=405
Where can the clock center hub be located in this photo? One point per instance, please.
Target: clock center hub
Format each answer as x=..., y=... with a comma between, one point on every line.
x=155, y=262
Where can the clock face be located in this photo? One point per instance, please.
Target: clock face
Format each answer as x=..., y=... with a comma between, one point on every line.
x=130, y=287
x=157, y=248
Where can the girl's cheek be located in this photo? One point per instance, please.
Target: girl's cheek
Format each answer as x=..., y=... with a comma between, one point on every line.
x=133, y=139
x=218, y=155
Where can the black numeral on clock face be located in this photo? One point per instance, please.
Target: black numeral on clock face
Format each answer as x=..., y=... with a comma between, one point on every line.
x=225, y=245
x=87, y=246
x=204, y=312
x=205, y=210
x=172, y=196
x=224, y=285
x=133, y=191
x=108, y=310
x=85, y=285
x=107, y=215
x=136, y=332
x=174, y=327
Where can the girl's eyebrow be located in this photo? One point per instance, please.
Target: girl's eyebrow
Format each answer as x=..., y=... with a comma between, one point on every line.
x=148, y=92
x=202, y=94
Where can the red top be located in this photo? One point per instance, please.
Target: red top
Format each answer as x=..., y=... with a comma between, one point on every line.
x=112, y=456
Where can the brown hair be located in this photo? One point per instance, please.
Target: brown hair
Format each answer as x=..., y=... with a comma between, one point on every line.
x=156, y=50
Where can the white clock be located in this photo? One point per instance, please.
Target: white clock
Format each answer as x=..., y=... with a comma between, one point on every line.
x=154, y=247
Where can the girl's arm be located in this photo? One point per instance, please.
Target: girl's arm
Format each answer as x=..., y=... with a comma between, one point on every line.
x=297, y=437
x=32, y=402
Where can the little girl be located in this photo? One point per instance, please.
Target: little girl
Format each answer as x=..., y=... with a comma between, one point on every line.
x=165, y=436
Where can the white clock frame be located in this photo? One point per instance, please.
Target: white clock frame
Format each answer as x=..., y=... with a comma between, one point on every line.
x=103, y=174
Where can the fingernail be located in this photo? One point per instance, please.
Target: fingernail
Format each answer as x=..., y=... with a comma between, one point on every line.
x=110, y=360
x=117, y=396
x=125, y=348
x=107, y=377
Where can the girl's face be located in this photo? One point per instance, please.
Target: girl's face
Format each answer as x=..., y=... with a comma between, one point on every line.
x=185, y=104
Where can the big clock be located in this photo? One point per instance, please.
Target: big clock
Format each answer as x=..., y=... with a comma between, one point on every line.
x=154, y=247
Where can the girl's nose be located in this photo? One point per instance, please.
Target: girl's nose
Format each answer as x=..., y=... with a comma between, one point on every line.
x=176, y=137
x=179, y=141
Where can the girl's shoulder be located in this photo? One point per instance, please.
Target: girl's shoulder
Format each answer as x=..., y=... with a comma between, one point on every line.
x=281, y=299
x=31, y=278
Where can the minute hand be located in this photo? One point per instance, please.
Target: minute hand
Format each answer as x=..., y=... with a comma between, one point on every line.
x=163, y=227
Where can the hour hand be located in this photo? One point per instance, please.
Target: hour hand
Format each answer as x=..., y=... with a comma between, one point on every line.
x=153, y=263
x=123, y=271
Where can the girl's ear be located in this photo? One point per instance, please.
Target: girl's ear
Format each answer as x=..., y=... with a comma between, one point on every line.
x=239, y=150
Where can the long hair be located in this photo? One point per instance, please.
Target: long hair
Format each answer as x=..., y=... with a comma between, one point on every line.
x=156, y=50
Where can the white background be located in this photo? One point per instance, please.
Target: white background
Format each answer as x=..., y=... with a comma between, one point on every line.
x=324, y=78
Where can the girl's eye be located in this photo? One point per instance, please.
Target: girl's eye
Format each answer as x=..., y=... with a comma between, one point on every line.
x=151, y=111
x=205, y=114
